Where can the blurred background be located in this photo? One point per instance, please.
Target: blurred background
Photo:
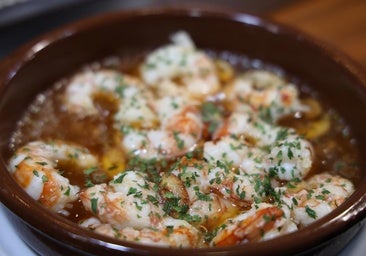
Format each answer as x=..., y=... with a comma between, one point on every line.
x=340, y=23
x=24, y=19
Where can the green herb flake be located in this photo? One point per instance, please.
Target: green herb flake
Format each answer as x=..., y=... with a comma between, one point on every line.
x=90, y=170
x=282, y=134
x=325, y=191
x=131, y=191
x=42, y=163
x=67, y=192
x=320, y=197
x=269, y=218
x=310, y=212
x=94, y=205
x=120, y=90
x=152, y=199
x=88, y=183
x=178, y=140
x=290, y=154
x=120, y=178
x=138, y=207
x=44, y=178
x=211, y=115
x=294, y=201
x=169, y=230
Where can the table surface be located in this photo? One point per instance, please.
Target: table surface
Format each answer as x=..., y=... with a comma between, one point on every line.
x=341, y=23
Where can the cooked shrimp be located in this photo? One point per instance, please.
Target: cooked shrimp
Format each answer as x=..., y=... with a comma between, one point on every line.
x=185, y=196
x=265, y=93
x=126, y=201
x=180, y=69
x=169, y=233
x=290, y=158
x=34, y=166
x=254, y=145
x=258, y=224
x=212, y=208
x=179, y=133
x=239, y=188
x=251, y=128
x=213, y=190
x=133, y=101
x=130, y=209
x=237, y=153
x=321, y=194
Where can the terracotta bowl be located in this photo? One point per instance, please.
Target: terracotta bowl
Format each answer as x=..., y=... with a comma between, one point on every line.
x=38, y=64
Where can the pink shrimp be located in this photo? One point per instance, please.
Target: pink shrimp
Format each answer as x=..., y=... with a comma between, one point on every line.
x=34, y=167
x=253, y=226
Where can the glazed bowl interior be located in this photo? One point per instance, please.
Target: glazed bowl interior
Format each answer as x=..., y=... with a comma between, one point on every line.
x=40, y=63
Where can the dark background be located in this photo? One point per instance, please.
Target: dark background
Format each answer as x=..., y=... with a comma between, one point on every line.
x=21, y=20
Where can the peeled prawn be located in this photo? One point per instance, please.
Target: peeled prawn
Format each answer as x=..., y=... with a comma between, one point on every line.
x=126, y=201
x=253, y=226
x=132, y=99
x=180, y=130
x=321, y=194
x=180, y=69
x=252, y=145
x=129, y=208
x=34, y=167
x=169, y=233
x=213, y=190
x=184, y=190
x=265, y=93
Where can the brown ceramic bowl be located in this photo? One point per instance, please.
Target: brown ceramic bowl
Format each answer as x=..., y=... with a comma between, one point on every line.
x=40, y=63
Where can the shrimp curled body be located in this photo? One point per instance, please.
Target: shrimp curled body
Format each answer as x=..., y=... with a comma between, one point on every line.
x=179, y=132
x=318, y=196
x=180, y=61
x=34, y=167
x=254, y=225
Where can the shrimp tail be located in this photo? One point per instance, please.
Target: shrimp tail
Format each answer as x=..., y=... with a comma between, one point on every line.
x=250, y=229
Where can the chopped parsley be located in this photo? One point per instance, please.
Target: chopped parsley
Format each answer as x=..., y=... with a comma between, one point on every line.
x=178, y=140
x=94, y=205
x=90, y=170
x=211, y=115
x=44, y=178
x=35, y=172
x=67, y=192
x=310, y=212
x=120, y=178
